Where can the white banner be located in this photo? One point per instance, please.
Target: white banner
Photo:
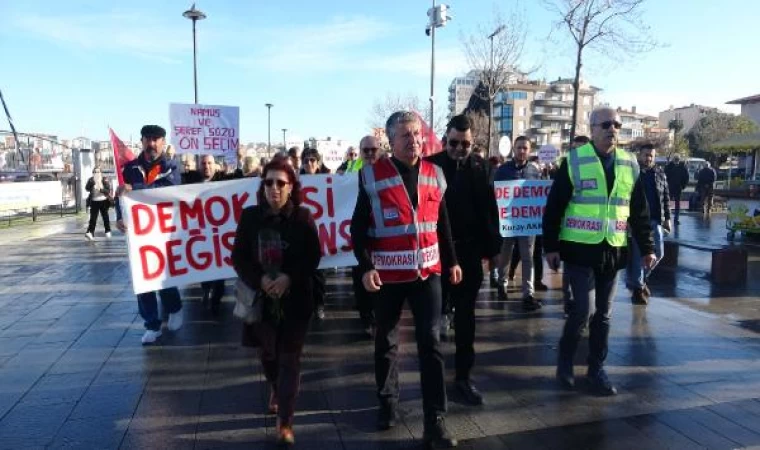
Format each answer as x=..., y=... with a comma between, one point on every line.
x=30, y=194
x=181, y=235
x=548, y=154
x=205, y=129
x=521, y=206
x=333, y=153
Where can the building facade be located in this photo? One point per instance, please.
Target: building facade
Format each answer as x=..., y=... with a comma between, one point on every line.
x=750, y=107
x=460, y=91
x=688, y=115
x=543, y=111
x=636, y=126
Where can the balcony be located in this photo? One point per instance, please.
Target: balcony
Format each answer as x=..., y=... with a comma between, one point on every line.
x=553, y=117
x=553, y=103
x=541, y=130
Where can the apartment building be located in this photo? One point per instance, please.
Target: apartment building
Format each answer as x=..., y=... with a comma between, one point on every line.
x=688, y=115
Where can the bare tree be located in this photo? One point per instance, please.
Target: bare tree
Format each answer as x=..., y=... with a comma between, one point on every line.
x=495, y=50
x=480, y=128
x=383, y=108
x=608, y=26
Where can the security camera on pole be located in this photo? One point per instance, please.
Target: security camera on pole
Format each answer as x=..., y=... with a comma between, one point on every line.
x=437, y=18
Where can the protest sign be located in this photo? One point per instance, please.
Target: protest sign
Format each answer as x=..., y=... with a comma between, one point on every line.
x=333, y=153
x=205, y=129
x=548, y=154
x=521, y=205
x=181, y=235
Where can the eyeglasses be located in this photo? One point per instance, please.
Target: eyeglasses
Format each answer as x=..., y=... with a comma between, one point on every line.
x=455, y=143
x=608, y=123
x=310, y=160
x=269, y=182
x=370, y=150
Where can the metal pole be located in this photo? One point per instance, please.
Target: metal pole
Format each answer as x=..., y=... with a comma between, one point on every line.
x=284, y=144
x=195, y=64
x=432, y=68
x=490, y=106
x=269, y=129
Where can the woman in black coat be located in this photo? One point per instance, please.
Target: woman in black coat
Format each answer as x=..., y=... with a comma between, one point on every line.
x=276, y=253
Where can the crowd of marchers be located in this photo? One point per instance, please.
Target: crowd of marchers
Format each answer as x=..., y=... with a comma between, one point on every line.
x=425, y=232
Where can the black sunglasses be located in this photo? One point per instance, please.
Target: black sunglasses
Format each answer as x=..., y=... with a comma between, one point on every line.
x=269, y=182
x=608, y=123
x=455, y=143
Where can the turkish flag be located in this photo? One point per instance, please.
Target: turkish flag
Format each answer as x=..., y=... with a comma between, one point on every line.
x=431, y=143
x=121, y=154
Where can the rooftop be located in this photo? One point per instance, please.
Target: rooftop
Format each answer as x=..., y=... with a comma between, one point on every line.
x=745, y=100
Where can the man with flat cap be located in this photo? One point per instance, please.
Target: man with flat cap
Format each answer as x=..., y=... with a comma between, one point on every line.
x=151, y=169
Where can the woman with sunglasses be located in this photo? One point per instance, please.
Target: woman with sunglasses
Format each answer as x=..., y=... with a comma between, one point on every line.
x=276, y=253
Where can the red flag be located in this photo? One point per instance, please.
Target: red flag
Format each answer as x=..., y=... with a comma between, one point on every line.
x=121, y=154
x=431, y=144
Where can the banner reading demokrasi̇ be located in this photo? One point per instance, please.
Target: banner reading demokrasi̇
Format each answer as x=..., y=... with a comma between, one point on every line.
x=182, y=235
x=521, y=206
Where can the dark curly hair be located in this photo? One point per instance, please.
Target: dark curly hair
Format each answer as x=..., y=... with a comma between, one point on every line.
x=282, y=165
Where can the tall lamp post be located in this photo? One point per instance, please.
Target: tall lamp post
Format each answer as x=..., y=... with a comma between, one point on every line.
x=284, y=144
x=269, y=128
x=438, y=18
x=492, y=75
x=194, y=15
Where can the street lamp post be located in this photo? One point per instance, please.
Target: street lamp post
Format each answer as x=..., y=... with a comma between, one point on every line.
x=269, y=128
x=438, y=18
x=284, y=144
x=492, y=94
x=194, y=15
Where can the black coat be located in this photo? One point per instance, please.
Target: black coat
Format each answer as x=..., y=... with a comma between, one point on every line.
x=471, y=203
x=678, y=177
x=301, y=253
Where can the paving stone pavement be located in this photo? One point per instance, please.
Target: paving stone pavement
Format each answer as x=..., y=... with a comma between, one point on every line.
x=74, y=375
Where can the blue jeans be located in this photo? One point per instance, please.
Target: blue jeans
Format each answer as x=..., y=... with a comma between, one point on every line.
x=147, y=304
x=637, y=276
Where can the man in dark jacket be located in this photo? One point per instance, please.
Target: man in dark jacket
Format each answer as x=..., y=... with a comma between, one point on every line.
x=519, y=168
x=592, y=264
x=705, y=187
x=152, y=170
x=655, y=186
x=473, y=215
x=678, y=179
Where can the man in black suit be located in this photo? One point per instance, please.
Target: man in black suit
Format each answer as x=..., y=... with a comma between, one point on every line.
x=474, y=226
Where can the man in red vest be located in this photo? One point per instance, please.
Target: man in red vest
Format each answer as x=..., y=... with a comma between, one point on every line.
x=401, y=235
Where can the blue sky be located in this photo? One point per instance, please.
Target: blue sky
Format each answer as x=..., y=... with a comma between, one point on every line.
x=76, y=66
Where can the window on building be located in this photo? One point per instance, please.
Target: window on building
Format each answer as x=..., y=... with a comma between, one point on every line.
x=520, y=126
x=506, y=126
x=538, y=110
x=535, y=124
x=540, y=95
x=518, y=95
x=586, y=100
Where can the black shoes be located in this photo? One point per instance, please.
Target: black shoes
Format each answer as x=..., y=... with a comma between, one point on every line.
x=502, y=293
x=437, y=436
x=540, y=286
x=469, y=392
x=600, y=384
x=639, y=297
x=386, y=417
x=531, y=304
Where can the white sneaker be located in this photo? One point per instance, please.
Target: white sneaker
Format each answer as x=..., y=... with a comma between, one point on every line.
x=89, y=236
x=150, y=337
x=108, y=235
x=175, y=321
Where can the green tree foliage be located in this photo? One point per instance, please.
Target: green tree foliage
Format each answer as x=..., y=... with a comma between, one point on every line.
x=716, y=126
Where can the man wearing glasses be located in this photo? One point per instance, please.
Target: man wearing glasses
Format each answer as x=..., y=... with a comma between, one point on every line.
x=597, y=199
x=351, y=156
x=370, y=151
x=473, y=215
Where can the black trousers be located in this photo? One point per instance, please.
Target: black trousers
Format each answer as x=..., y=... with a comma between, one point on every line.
x=214, y=290
x=320, y=287
x=424, y=298
x=364, y=299
x=589, y=286
x=100, y=207
x=463, y=297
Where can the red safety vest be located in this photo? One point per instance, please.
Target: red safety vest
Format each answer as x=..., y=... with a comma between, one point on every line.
x=404, y=242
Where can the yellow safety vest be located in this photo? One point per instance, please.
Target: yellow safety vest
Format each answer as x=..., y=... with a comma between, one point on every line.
x=592, y=215
x=355, y=165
